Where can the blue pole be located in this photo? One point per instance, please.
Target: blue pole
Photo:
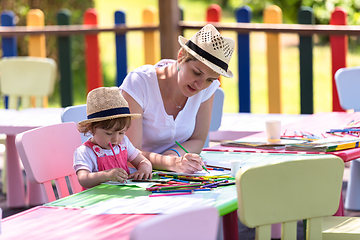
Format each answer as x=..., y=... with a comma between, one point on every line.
x=244, y=15
x=121, y=56
x=9, y=44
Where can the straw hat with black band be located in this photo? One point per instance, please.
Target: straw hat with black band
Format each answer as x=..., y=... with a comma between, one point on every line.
x=211, y=48
x=105, y=103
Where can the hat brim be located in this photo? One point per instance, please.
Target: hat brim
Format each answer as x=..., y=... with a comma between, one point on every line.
x=214, y=67
x=87, y=121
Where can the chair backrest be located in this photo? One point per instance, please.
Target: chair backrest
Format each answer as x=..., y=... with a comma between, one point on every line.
x=193, y=223
x=27, y=77
x=284, y=192
x=217, y=112
x=47, y=154
x=348, y=83
x=75, y=114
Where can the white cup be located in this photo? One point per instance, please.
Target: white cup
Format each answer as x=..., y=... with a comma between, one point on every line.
x=235, y=166
x=273, y=130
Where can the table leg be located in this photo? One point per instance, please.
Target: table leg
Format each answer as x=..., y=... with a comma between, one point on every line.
x=230, y=226
x=15, y=183
x=340, y=211
x=34, y=194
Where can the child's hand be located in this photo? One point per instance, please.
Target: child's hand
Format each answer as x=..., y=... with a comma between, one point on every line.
x=144, y=170
x=140, y=175
x=116, y=174
x=189, y=163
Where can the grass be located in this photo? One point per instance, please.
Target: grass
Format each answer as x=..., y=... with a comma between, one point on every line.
x=290, y=91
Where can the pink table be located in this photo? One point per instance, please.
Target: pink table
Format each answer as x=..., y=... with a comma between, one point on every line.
x=317, y=124
x=65, y=223
x=13, y=122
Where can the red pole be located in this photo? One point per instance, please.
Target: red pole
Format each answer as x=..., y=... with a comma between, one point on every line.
x=339, y=47
x=213, y=14
x=92, y=53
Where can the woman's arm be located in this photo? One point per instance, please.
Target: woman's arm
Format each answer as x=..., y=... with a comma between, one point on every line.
x=188, y=163
x=135, y=132
x=203, y=118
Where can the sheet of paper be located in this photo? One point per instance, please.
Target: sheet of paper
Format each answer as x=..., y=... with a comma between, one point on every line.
x=130, y=183
x=148, y=205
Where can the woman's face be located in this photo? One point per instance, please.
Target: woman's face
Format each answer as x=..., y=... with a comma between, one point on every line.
x=194, y=76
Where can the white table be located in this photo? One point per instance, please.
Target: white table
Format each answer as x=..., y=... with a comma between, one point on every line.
x=13, y=122
x=239, y=125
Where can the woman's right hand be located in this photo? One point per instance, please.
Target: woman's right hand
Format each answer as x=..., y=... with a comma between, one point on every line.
x=188, y=163
x=117, y=175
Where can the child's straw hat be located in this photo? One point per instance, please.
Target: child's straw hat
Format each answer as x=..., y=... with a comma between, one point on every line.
x=105, y=103
x=209, y=47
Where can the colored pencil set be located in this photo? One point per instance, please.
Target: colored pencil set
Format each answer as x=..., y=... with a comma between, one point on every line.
x=183, y=187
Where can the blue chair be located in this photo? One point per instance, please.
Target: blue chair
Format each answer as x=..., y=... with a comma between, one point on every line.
x=348, y=83
x=216, y=114
x=75, y=114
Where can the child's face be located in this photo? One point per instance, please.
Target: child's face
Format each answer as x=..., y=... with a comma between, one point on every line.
x=102, y=137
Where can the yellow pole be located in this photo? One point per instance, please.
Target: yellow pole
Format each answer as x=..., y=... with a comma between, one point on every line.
x=36, y=43
x=150, y=46
x=273, y=14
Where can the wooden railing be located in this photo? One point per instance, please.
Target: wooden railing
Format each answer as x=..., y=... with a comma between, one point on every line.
x=170, y=27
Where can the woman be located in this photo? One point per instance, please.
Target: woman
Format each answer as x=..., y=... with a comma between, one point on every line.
x=175, y=98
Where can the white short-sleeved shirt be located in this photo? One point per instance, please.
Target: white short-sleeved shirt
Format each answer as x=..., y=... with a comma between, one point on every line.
x=160, y=130
x=85, y=158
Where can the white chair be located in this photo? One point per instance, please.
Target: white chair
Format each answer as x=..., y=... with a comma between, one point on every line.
x=190, y=224
x=348, y=83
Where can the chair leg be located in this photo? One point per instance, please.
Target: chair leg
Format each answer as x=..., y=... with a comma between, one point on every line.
x=34, y=194
x=3, y=175
x=352, y=200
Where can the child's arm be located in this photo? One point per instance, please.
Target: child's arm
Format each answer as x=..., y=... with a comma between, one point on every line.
x=143, y=166
x=91, y=179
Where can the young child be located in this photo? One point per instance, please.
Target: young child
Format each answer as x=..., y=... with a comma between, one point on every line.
x=105, y=155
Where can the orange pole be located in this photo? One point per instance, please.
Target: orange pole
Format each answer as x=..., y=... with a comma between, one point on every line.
x=150, y=46
x=273, y=14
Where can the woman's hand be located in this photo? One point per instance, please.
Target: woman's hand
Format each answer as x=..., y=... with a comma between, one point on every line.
x=189, y=163
x=116, y=174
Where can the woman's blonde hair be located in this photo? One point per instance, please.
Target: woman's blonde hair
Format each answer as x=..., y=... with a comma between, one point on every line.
x=117, y=124
x=185, y=56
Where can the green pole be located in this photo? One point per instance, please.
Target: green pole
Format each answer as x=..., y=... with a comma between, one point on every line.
x=64, y=47
x=306, y=16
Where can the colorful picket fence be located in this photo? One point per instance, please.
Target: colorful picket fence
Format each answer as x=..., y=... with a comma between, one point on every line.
x=272, y=15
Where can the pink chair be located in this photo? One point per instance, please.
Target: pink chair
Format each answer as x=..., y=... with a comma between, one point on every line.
x=47, y=154
x=193, y=223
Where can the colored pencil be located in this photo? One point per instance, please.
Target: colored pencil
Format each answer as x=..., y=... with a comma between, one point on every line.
x=170, y=194
x=112, y=149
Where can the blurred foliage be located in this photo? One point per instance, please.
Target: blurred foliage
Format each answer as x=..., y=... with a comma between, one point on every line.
x=50, y=9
